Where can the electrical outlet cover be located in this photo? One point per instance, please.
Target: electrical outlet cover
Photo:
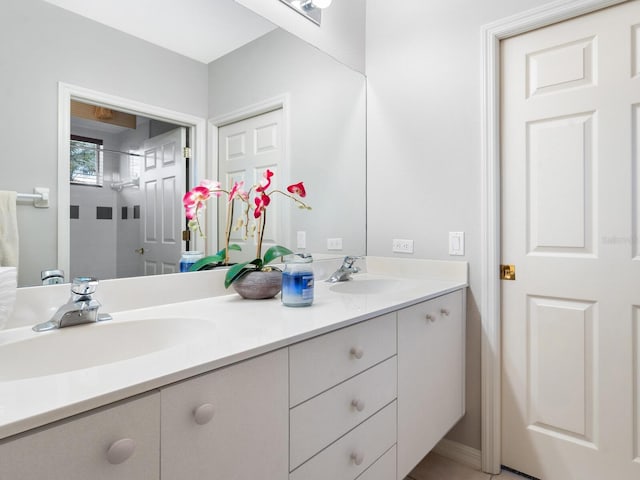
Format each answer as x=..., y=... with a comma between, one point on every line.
x=401, y=245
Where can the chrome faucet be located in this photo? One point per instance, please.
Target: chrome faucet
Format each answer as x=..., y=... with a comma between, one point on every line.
x=80, y=308
x=344, y=272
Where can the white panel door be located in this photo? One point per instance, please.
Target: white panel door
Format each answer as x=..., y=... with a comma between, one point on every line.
x=246, y=149
x=570, y=224
x=163, y=184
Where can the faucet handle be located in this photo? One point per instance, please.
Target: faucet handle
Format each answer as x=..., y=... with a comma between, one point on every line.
x=84, y=285
x=349, y=260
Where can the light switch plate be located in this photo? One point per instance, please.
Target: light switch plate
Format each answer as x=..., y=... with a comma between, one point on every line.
x=301, y=239
x=456, y=243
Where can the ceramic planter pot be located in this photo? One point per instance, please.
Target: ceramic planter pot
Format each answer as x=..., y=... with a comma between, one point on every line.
x=259, y=285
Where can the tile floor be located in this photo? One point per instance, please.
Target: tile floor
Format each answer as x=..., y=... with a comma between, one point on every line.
x=437, y=467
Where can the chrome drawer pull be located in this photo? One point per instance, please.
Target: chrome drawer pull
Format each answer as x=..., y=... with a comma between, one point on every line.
x=430, y=317
x=444, y=311
x=203, y=414
x=358, y=404
x=357, y=457
x=357, y=352
x=120, y=451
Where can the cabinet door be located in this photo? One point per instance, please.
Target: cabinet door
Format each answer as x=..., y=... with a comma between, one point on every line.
x=231, y=424
x=430, y=375
x=120, y=442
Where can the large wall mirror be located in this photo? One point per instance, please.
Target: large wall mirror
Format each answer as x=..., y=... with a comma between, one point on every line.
x=323, y=130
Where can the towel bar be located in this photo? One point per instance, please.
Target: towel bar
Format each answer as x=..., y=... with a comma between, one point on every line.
x=40, y=197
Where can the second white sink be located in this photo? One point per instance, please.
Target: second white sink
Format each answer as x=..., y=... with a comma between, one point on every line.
x=368, y=286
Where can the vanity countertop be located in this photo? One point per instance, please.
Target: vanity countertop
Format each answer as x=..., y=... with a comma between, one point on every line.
x=237, y=329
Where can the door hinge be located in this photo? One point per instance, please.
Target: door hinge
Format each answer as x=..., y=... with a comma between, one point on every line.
x=186, y=152
x=507, y=272
x=186, y=235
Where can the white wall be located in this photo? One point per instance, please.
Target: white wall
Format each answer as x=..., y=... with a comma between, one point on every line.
x=341, y=33
x=327, y=129
x=41, y=45
x=423, y=141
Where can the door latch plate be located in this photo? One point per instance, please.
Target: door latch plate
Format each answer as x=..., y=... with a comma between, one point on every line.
x=507, y=272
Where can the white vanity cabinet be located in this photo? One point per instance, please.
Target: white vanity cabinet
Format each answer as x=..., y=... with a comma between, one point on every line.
x=367, y=401
x=431, y=346
x=230, y=424
x=343, y=401
x=119, y=442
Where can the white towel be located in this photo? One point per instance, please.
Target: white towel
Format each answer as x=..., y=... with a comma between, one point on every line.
x=8, y=286
x=8, y=230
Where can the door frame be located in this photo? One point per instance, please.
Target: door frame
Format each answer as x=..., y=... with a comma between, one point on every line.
x=68, y=92
x=492, y=34
x=282, y=101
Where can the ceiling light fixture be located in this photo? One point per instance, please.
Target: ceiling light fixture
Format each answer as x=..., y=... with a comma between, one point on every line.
x=311, y=9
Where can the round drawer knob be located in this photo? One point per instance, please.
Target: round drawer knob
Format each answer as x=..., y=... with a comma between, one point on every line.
x=120, y=451
x=444, y=312
x=203, y=414
x=357, y=352
x=357, y=457
x=358, y=404
x=430, y=317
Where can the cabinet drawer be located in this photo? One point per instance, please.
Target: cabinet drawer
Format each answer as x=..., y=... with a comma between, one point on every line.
x=320, y=363
x=352, y=454
x=121, y=442
x=319, y=421
x=383, y=469
x=228, y=424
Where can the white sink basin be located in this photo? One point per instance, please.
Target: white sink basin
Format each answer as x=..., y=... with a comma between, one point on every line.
x=96, y=344
x=368, y=286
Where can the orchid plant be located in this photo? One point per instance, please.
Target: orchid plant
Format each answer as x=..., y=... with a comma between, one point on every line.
x=194, y=201
x=255, y=202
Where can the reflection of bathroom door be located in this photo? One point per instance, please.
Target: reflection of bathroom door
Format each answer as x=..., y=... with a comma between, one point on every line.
x=571, y=317
x=246, y=149
x=163, y=186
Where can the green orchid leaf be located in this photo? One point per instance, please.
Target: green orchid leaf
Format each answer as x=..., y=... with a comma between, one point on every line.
x=237, y=271
x=234, y=272
x=206, y=261
x=213, y=260
x=275, y=252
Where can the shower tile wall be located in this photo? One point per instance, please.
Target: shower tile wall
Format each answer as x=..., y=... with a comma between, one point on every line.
x=103, y=243
x=93, y=240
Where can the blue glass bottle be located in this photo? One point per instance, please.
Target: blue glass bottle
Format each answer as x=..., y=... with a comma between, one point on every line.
x=297, y=281
x=188, y=259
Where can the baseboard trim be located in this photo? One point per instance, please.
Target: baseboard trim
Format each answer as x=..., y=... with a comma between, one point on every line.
x=460, y=453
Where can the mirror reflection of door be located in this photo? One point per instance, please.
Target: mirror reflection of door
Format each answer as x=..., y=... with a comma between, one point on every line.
x=162, y=184
x=109, y=203
x=246, y=149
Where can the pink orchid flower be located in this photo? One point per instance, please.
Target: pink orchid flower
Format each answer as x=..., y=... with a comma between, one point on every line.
x=197, y=196
x=262, y=202
x=191, y=211
x=214, y=188
x=297, y=189
x=237, y=191
x=265, y=182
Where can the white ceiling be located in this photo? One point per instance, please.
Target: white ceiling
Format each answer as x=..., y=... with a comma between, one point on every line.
x=199, y=29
